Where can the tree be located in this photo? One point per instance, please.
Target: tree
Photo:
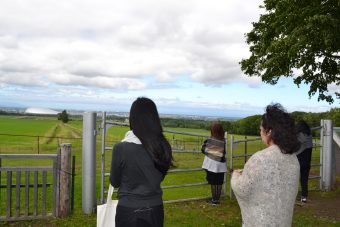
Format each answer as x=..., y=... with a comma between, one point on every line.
x=334, y=114
x=247, y=126
x=293, y=36
x=63, y=116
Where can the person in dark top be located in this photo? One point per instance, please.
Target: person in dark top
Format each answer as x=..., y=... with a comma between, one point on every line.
x=304, y=156
x=139, y=165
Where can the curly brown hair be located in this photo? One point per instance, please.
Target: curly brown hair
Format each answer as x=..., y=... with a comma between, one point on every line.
x=282, y=127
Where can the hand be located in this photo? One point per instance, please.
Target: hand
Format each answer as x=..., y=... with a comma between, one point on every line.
x=237, y=172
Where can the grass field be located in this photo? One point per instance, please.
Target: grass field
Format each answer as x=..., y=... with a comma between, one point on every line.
x=51, y=133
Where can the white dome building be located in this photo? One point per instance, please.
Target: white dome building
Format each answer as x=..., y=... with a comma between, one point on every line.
x=37, y=110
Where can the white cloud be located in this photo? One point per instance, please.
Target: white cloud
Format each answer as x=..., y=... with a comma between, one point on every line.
x=99, y=81
x=332, y=88
x=22, y=79
x=118, y=44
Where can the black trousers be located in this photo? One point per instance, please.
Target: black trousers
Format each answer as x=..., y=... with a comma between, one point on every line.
x=140, y=217
x=304, y=160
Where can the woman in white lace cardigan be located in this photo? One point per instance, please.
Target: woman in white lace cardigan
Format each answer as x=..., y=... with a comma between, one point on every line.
x=267, y=187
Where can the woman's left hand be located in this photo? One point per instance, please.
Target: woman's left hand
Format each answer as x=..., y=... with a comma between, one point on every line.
x=237, y=172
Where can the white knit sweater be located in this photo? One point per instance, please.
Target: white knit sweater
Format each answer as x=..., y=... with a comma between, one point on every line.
x=267, y=188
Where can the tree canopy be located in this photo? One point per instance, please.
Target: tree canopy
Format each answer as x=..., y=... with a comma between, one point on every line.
x=63, y=116
x=299, y=39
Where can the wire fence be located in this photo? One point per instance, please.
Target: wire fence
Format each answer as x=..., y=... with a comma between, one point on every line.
x=35, y=144
x=182, y=143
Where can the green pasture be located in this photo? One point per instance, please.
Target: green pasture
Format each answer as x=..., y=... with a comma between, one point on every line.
x=52, y=133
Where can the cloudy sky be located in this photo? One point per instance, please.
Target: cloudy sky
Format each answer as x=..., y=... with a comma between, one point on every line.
x=101, y=55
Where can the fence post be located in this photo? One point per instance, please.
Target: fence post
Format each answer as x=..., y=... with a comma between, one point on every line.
x=226, y=163
x=0, y=179
x=103, y=135
x=72, y=182
x=245, y=150
x=328, y=155
x=38, y=145
x=65, y=180
x=89, y=163
x=231, y=164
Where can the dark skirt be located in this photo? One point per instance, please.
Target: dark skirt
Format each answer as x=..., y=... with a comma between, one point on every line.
x=215, y=178
x=140, y=217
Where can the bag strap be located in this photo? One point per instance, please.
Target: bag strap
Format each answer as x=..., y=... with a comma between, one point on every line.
x=109, y=194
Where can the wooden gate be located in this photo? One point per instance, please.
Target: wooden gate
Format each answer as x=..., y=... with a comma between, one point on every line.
x=25, y=192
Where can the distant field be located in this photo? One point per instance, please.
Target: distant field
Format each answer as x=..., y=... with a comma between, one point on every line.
x=72, y=132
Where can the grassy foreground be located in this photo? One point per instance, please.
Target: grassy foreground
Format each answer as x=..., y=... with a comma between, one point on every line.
x=199, y=213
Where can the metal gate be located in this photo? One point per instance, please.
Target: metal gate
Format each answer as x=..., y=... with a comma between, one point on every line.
x=105, y=125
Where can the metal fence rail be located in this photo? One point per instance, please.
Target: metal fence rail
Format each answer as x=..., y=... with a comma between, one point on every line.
x=17, y=172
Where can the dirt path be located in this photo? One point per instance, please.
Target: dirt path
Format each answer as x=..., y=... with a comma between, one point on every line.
x=74, y=131
x=324, y=205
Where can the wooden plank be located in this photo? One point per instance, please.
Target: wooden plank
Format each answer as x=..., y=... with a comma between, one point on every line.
x=27, y=182
x=9, y=194
x=35, y=156
x=54, y=191
x=35, y=194
x=26, y=168
x=24, y=186
x=44, y=176
x=17, y=195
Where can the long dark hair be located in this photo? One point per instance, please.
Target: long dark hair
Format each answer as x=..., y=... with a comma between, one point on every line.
x=282, y=127
x=146, y=125
x=217, y=130
x=303, y=127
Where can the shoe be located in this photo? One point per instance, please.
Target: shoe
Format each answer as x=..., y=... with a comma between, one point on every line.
x=213, y=202
x=303, y=199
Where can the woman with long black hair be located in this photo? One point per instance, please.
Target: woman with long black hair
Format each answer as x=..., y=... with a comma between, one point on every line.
x=139, y=165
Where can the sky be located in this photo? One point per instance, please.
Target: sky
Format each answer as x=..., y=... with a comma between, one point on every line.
x=101, y=55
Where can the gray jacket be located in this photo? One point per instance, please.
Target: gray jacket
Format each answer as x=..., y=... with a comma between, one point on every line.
x=267, y=188
x=306, y=142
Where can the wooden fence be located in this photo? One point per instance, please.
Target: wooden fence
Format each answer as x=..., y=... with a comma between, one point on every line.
x=28, y=195
x=27, y=178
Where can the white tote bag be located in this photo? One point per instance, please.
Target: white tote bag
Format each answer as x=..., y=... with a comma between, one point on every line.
x=106, y=213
